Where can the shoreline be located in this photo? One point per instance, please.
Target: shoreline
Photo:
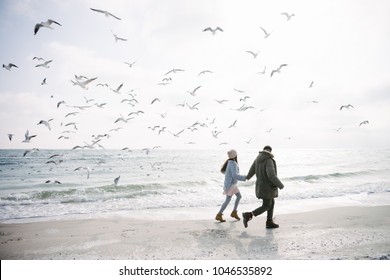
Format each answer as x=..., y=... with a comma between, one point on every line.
x=347, y=233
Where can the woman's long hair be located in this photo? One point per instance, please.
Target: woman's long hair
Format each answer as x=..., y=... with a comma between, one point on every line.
x=223, y=168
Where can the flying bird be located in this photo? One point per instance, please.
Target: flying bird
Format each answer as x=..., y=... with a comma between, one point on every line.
x=45, y=64
x=254, y=54
x=288, y=16
x=46, y=123
x=117, y=90
x=83, y=84
x=364, y=122
x=277, y=70
x=117, y=38
x=10, y=136
x=106, y=13
x=193, y=91
x=85, y=168
x=130, y=64
x=9, y=66
x=44, y=82
x=346, y=106
x=262, y=72
x=204, y=72
x=28, y=137
x=175, y=70
x=46, y=24
x=213, y=31
x=266, y=34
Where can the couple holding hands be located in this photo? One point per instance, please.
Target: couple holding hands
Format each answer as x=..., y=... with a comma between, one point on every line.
x=267, y=185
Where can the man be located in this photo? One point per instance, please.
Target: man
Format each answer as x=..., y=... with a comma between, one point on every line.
x=267, y=185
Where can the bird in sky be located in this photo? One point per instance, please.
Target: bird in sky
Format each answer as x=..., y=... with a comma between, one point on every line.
x=174, y=70
x=288, y=16
x=346, y=106
x=106, y=13
x=266, y=34
x=44, y=82
x=117, y=90
x=117, y=38
x=9, y=66
x=83, y=84
x=233, y=124
x=10, y=136
x=46, y=123
x=155, y=100
x=28, y=137
x=277, y=70
x=46, y=24
x=60, y=103
x=254, y=54
x=213, y=30
x=204, y=72
x=130, y=64
x=311, y=84
x=193, y=107
x=262, y=72
x=363, y=122
x=194, y=90
x=221, y=101
x=45, y=64
x=33, y=150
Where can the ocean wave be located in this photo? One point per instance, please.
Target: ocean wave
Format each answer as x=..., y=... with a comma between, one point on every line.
x=336, y=175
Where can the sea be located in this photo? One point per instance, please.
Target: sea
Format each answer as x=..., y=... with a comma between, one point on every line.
x=44, y=185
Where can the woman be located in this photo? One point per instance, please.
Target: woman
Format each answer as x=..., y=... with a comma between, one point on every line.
x=232, y=176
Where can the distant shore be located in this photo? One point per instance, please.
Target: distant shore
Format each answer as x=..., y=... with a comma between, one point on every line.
x=352, y=232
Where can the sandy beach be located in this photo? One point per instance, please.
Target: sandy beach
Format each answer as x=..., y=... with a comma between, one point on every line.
x=348, y=233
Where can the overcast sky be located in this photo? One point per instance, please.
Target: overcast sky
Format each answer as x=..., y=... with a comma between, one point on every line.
x=340, y=48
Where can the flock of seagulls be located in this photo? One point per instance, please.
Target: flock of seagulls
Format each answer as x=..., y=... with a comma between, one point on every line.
x=130, y=98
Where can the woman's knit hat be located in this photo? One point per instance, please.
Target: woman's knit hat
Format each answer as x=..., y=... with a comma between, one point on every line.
x=232, y=154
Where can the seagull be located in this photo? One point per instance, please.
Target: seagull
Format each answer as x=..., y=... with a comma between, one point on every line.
x=213, y=31
x=238, y=90
x=193, y=91
x=244, y=98
x=130, y=64
x=117, y=38
x=233, y=124
x=116, y=180
x=46, y=123
x=28, y=137
x=262, y=72
x=38, y=58
x=118, y=88
x=311, y=84
x=277, y=70
x=193, y=107
x=83, y=84
x=288, y=16
x=44, y=82
x=9, y=66
x=266, y=34
x=46, y=24
x=204, y=72
x=82, y=167
x=364, y=122
x=346, y=106
x=10, y=136
x=177, y=134
x=30, y=151
x=254, y=54
x=155, y=100
x=107, y=14
x=45, y=64
x=221, y=101
x=59, y=103
x=174, y=71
